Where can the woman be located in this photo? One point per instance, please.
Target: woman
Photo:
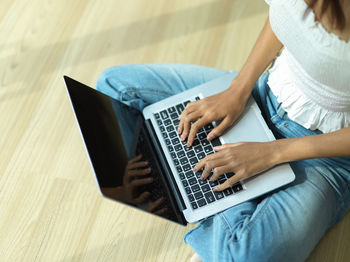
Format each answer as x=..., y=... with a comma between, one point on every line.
x=305, y=99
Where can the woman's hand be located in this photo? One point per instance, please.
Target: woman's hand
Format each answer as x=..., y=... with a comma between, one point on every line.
x=225, y=106
x=244, y=159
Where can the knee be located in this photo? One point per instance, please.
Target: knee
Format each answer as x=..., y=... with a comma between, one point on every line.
x=109, y=78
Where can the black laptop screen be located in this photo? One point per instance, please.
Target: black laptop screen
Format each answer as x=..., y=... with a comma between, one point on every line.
x=113, y=136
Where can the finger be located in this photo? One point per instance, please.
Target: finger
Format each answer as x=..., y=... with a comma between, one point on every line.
x=214, y=165
x=135, y=159
x=229, y=182
x=138, y=164
x=139, y=172
x=218, y=171
x=182, y=117
x=142, y=198
x=187, y=124
x=155, y=204
x=210, y=165
x=229, y=145
x=143, y=181
x=217, y=131
x=194, y=129
x=202, y=163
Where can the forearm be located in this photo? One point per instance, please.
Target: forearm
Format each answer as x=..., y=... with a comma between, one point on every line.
x=334, y=144
x=264, y=51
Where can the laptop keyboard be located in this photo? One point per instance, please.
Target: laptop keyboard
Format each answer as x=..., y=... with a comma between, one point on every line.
x=199, y=192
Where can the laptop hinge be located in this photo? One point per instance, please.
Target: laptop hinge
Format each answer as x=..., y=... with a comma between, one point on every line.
x=165, y=166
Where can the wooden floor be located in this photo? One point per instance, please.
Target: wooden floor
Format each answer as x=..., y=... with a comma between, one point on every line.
x=50, y=209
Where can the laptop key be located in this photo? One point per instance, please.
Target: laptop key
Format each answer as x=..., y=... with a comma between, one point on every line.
x=189, y=174
x=156, y=115
x=173, y=155
x=178, y=147
x=209, y=197
x=190, y=154
x=202, y=182
x=167, y=122
x=162, y=128
x=198, y=149
x=198, y=174
x=202, y=136
x=218, y=195
x=174, y=116
x=170, y=148
x=182, y=176
x=192, y=181
x=208, y=127
x=175, y=141
x=201, y=202
x=176, y=162
x=237, y=187
x=228, y=191
x=186, y=102
x=195, y=188
x=201, y=155
x=191, y=198
x=208, y=149
x=198, y=195
x=205, y=142
x=193, y=160
x=213, y=183
x=167, y=141
x=197, y=98
x=176, y=122
x=181, y=154
x=180, y=108
x=205, y=188
x=183, y=161
x=188, y=190
x=164, y=114
x=171, y=109
x=194, y=205
x=170, y=128
x=159, y=122
x=195, y=142
x=179, y=169
x=187, y=148
x=187, y=167
x=185, y=183
x=216, y=142
x=228, y=175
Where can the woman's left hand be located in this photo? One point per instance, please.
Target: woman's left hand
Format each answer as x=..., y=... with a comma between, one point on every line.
x=244, y=159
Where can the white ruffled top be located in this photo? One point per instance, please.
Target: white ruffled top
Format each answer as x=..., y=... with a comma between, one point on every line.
x=311, y=77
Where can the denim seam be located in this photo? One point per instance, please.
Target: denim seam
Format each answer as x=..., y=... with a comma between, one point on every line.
x=251, y=223
x=228, y=226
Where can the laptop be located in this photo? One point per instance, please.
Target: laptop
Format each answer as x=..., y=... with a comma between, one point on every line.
x=114, y=134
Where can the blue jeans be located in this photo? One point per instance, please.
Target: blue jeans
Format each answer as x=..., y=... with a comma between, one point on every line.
x=283, y=225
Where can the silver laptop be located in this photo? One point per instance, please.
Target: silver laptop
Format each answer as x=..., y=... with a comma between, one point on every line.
x=115, y=133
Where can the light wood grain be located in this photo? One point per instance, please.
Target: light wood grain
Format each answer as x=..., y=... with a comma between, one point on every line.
x=50, y=209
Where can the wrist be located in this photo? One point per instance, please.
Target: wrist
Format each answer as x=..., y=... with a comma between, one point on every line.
x=241, y=89
x=278, y=153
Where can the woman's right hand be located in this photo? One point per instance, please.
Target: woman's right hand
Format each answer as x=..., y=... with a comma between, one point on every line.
x=225, y=106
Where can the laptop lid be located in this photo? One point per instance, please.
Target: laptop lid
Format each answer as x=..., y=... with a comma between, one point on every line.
x=114, y=134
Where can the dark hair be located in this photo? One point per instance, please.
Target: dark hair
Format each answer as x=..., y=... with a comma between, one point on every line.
x=338, y=17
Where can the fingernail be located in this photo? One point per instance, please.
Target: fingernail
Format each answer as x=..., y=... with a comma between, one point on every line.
x=215, y=189
x=210, y=136
x=195, y=169
x=202, y=177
